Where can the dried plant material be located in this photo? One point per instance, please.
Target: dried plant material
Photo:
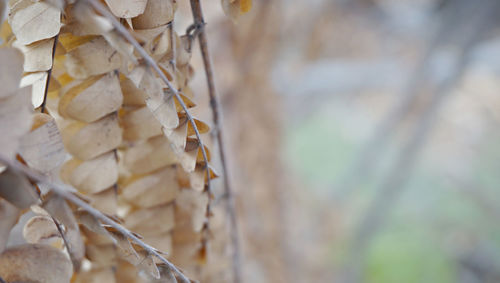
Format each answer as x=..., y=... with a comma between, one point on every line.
x=11, y=71
x=161, y=241
x=92, y=99
x=101, y=255
x=37, y=56
x=37, y=81
x=90, y=222
x=87, y=141
x=105, y=201
x=94, y=175
x=132, y=96
x=40, y=230
x=97, y=275
x=70, y=41
x=125, y=251
x=94, y=23
x=234, y=8
x=35, y=263
x=152, y=190
x=16, y=189
x=183, y=54
x=161, y=219
x=159, y=102
x=148, y=265
x=9, y=214
x=177, y=136
x=92, y=58
x=15, y=120
x=156, y=13
x=42, y=148
x=190, y=208
x=140, y=124
x=198, y=178
x=201, y=126
x=126, y=8
x=34, y=20
x=149, y=156
x=59, y=209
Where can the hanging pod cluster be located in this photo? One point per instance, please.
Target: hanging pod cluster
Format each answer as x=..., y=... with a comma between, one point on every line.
x=79, y=104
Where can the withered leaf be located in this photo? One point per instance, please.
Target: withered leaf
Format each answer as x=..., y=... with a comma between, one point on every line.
x=38, y=55
x=152, y=190
x=149, y=156
x=140, y=124
x=15, y=120
x=126, y=8
x=9, y=215
x=35, y=263
x=94, y=175
x=11, y=71
x=34, y=20
x=94, y=57
x=40, y=230
x=92, y=99
x=87, y=141
x=42, y=148
x=16, y=189
x=59, y=209
x=156, y=13
x=160, y=219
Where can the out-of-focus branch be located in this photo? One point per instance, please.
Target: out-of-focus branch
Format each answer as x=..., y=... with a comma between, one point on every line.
x=215, y=106
x=390, y=189
x=65, y=192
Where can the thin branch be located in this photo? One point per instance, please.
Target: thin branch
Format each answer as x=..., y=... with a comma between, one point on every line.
x=152, y=63
x=49, y=73
x=64, y=191
x=215, y=105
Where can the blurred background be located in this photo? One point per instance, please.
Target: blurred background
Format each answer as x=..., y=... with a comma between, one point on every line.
x=362, y=137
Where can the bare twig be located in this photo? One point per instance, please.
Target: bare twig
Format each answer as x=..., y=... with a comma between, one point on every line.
x=64, y=191
x=49, y=73
x=97, y=5
x=215, y=106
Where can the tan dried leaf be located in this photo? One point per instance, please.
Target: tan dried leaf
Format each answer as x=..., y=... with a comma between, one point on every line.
x=11, y=71
x=58, y=208
x=160, y=220
x=151, y=190
x=40, y=230
x=149, y=156
x=94, y=57
x=140, y=124
x=37, y=56
x=35, y=263
x=15, y=120
x=92, y=99
x=43, y=148
x=126, y=8
x=87, y=141
x=156, y=13
x=16, y=189
x=9, y=214
x=34, y=20
x=94, y=175
x=191, y=208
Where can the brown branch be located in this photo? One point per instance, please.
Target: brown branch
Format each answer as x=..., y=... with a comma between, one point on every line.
x=215, y=106
x=49, y=73
x=98, y=6
x=64, y=191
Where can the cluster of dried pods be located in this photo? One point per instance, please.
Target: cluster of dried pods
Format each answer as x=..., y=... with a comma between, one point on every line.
x=97, y=96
